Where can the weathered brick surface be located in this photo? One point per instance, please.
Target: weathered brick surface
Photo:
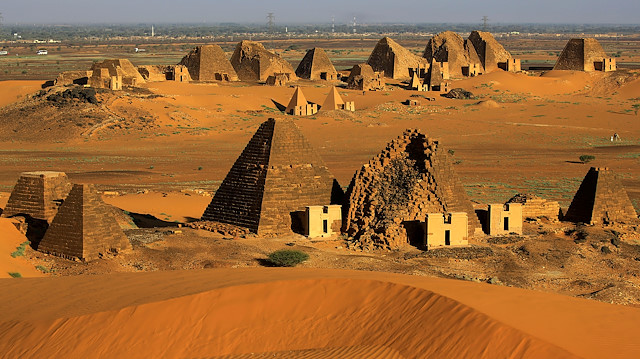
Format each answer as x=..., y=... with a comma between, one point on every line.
x=253, y=62
x=394, y=59
x=489, y=51
x=84, y=227
x=451, y=48
x=536, y=207
x=38, y=195
x=277, y=173
x=580, y=55
x=411, y=177
x=601, y=199
x=314, y=63
x=205, y=61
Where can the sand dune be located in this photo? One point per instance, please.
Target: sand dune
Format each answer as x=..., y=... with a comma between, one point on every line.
x=12, y=91
x=10, y=239
x=301, y=313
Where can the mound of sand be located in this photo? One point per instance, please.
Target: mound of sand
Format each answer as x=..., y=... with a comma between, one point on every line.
x=10, y=240
x=487, y=104
x=301, y=313
x=12, y=91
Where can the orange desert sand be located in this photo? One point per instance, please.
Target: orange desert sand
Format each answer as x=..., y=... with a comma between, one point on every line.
x=302, y=313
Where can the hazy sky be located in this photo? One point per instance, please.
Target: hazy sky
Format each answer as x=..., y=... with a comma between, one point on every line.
x=319, y=11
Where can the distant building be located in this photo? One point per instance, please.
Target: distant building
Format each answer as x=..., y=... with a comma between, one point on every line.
x=42, y=52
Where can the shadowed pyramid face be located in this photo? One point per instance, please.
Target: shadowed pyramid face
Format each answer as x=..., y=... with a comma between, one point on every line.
x=83, y=228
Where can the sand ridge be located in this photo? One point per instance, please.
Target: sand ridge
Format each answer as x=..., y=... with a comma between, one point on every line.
x=303, y=309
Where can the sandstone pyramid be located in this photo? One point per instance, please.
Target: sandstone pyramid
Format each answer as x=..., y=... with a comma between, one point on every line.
x=601, y=199
x=299, y=106
x=449, y=47
x=84, y=228
x=333, y=101
x=209, y=63
x=123, y=67
x=394, y=60
x=490, y=52
x=316, y=65
x=38, y=195
x=581, y=55
x=253, y=62
x=275, y=177
x=411, y=177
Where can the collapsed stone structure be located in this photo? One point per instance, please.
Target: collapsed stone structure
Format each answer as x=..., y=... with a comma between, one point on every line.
x=80, y=77
x=491, y=53
x=390, y=196
x=84, y=228
x=363, y=78
x=104, y=72
x=459, y=54
x=536, y=207
x=316, y=65
x=209, y=63
x=278, y=80
x=393, y=59
x=158, y=73
x=335, y=102
x=601, y=199
x=253, y=62
x=299, y=106
x=270, y=185
x=38, y=195
x=584, y=55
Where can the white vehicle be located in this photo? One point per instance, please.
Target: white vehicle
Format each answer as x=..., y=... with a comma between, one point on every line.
x=42, y=52
x=3, y=52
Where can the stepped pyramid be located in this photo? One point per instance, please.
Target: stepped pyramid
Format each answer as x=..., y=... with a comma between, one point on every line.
x=411, y=177
x=435, y=80
x=490, y=52
x=449, y=47
x=84, y=227
x=583, y=55
x=299, y=106
x=209, y=63
x=393, y=59
x=253, y=62
x=601, y=199
x=276, y=176
x=38, y=195
x=316, y=66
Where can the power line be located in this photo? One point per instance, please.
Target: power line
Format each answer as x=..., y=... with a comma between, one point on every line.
x=270, y=21
x=485, y=20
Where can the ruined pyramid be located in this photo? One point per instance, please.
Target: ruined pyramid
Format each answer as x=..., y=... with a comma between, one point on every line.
x=581, y=55
x=37, y=195
x=272, y=181
x=209, y=63
x=434, y=79
x=84, y=227
x=362, y=77
x=601, y=199
x=490, y=52
x=316, y=65
x=253, y=62
x=449, y=47
x=390, y=195
x=120, y=67
x=394, y=59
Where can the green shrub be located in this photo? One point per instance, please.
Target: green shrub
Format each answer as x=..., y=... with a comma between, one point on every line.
x=43, y=269
x=15, y=275
x=287, y=258
x=587, y=158
x=19, y=252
